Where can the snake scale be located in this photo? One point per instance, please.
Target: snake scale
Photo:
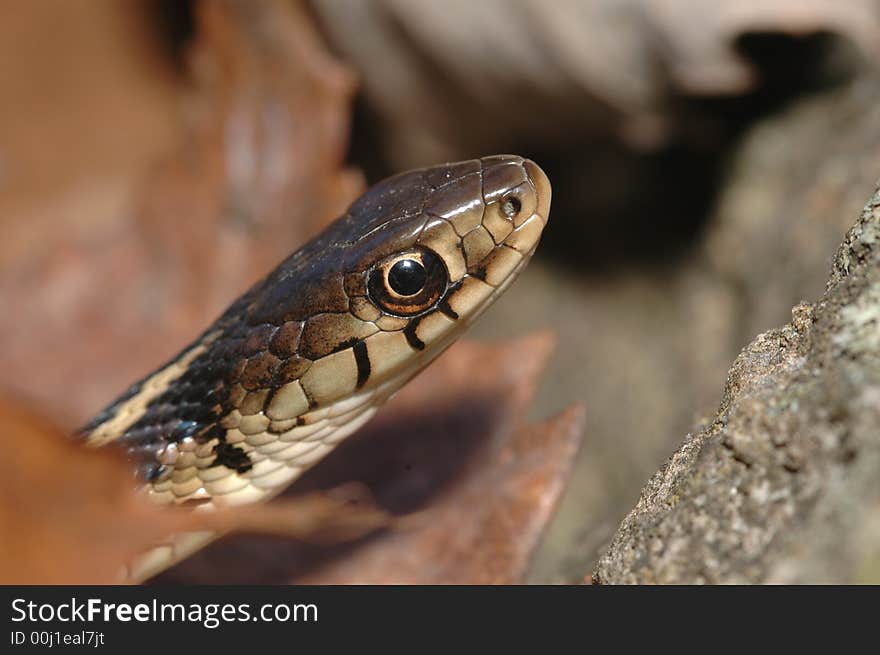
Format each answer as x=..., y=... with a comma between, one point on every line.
x=309, y=353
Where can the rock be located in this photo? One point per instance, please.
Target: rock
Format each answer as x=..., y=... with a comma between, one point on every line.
x=782, y=486
x=648, y=350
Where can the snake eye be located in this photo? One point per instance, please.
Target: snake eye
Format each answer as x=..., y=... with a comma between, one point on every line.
x=408, y=283
x=511, y=206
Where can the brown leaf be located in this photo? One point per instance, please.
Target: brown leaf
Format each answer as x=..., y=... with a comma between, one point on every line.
x=470, y=485
x=129, y=277
x=72, y=515
x=67, y=515
x=453, y=457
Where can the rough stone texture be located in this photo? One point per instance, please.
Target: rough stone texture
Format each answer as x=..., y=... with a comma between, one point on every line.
x=797, y=181
x=782, y=486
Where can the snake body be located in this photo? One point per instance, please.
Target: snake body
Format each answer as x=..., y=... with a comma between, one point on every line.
x=309, y=353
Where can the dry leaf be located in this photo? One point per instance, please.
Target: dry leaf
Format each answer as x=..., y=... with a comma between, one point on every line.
x=107, y=282
x=67, y=515
x=72, y=515
x=462, y=487
x=453, y=457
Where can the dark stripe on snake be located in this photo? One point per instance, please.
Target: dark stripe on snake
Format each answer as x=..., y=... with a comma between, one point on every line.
x=232, y=457
x=444, y=305
x=362, y=359
x=410, y=333
x=478, y=272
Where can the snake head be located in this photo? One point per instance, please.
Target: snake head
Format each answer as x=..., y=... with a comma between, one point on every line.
x=306, y=356
x=412, y=263
x=310, y=352
x=351, y=317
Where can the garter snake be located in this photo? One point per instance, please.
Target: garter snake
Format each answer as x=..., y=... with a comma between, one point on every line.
x=309, y=353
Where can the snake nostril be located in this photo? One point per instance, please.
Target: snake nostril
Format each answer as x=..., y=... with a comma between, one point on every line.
x=511, y=206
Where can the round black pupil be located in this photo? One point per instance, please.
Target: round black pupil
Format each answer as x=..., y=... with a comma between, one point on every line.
x=407, y=277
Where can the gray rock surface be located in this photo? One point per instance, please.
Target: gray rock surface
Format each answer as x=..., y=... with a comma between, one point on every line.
x=783, y=485
x=647, y=349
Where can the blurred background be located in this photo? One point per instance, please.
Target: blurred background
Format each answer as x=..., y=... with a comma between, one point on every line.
x=158, y=156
